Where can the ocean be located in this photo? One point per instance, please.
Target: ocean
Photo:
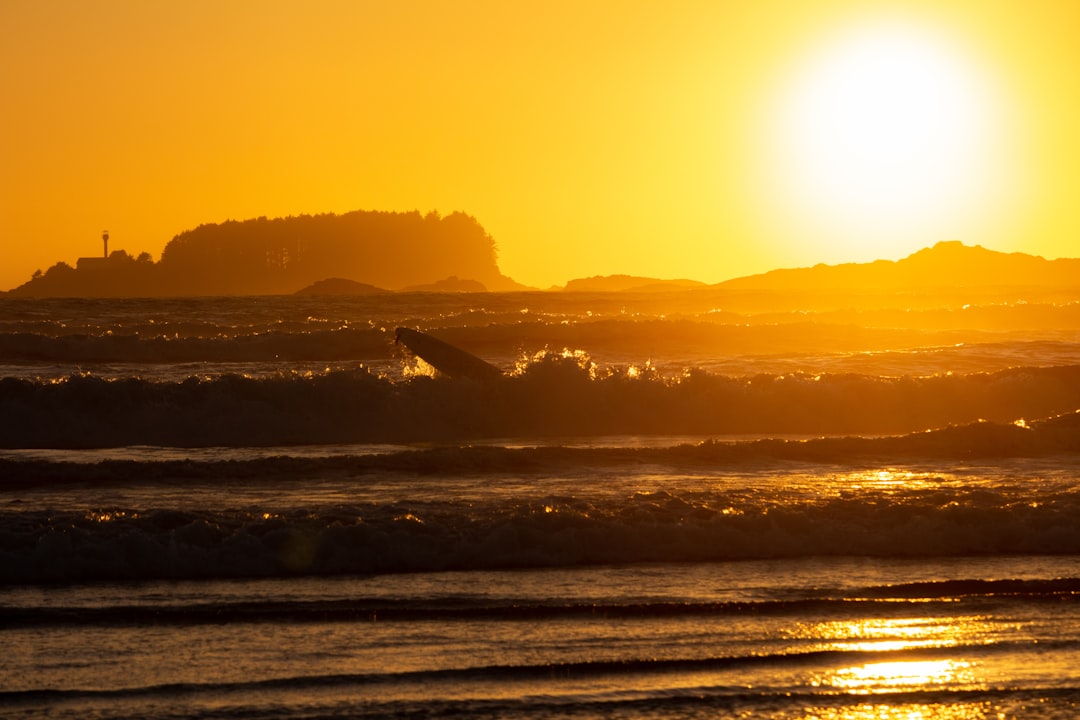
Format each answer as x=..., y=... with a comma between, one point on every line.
x=688, y=503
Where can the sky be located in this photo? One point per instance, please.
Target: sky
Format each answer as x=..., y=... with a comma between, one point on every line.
x=704, y=140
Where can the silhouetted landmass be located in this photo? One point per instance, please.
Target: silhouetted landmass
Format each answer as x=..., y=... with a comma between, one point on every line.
x=945, y=266
x=430, y=253
x=631, y=283
x=280, y=256
x=452, y=284
x=340, y=286
x=117, y=275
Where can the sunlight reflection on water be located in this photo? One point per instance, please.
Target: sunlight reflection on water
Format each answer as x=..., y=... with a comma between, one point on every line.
x=879, y=677
x=897, y=634
x=921, y=711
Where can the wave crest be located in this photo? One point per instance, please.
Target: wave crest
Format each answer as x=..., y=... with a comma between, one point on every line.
x=555, y=395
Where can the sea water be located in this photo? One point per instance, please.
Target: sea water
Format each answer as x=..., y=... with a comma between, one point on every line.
x=677, y=505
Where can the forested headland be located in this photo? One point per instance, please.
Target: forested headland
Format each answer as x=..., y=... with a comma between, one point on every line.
x=278, y=256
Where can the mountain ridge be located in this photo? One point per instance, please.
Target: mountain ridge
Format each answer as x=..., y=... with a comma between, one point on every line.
x=947, y=264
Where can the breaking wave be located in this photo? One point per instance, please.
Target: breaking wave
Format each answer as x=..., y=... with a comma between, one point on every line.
x=373, y=539
x=550, y=395
x=591, y=515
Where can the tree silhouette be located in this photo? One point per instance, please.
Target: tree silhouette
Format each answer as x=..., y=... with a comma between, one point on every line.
x=283, y=255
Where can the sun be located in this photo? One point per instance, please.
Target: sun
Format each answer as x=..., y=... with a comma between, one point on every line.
x=882, y=140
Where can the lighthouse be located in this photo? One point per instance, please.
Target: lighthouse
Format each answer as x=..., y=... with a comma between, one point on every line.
x=105, y=239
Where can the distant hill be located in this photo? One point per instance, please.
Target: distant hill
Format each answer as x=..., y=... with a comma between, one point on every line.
x=452, y=284
x=947, y=265
x=281, y=256
x=628, y=283
x=340, y=286
x=371, y=252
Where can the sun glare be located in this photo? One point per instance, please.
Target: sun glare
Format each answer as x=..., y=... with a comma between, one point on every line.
x=884, y=139
x=882, y=677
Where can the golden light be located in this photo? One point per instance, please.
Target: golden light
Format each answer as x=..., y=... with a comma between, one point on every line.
x=891, y=634
x=891, y=676
x=884, y=138
x=889, y=480
x=906, y=711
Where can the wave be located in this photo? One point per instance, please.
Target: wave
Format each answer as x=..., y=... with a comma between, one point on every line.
x=947, y=597
x=1059, y=435
x=552, y=395
x=699, y=342
x=578, y=669
x=489, y=696
x=543, y=529
x=332, y=344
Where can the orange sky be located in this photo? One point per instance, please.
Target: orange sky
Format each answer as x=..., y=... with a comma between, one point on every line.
x=691, y=139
